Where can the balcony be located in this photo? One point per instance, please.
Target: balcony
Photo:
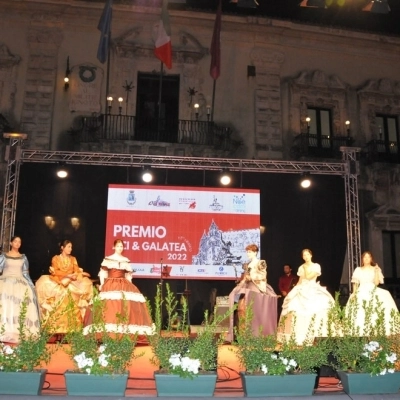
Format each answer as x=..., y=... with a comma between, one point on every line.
x=310, y=145
x=109, y=127
x=381, y=151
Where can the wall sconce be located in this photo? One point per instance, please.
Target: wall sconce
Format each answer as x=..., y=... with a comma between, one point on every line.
x=66, y=78
x=109, y=100
x=308, y=120
x=208, y=112
x=192, y=92
x=348, y=127
x=75, y=223
x=120, y=100
x=196, y=110
x=49, y=221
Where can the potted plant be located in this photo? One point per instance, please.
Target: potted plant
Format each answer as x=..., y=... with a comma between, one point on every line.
x=101, y=358
x=187, y=364
x=276, y=368
x=366, y=364
x=25, y=358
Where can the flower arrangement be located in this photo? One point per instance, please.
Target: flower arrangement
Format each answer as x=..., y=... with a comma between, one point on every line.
x=373, y=352
x=31, y=351
x=268, y=355
x=175, y=350
x=98, y=352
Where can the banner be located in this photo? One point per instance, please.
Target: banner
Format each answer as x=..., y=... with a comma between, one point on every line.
x=194, y=233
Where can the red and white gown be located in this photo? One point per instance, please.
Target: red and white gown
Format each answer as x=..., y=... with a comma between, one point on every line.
x=123, y=300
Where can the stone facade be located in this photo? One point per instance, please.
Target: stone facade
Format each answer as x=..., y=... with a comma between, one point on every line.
x=354, y=74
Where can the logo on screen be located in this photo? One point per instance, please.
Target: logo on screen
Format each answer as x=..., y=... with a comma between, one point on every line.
x=221, y=269
x=131, y=199
x=192, y=205
x=239, y=203
x=181, y=269
x=215, y=206
x=159, y=203
x=201, y=270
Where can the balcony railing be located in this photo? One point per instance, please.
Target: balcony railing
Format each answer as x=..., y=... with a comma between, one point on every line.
x=309, y=145
x=107, y=127
x=381, y=151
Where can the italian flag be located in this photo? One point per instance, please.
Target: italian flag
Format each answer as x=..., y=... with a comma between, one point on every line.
x=163, y=47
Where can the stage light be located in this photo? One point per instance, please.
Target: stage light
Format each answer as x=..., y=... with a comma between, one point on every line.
x=305, y=181
x=147, y=175
x=225, y=178
x=62, y=171
x=377, y=7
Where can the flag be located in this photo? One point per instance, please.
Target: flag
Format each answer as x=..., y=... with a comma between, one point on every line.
x=163, y=47
x=104, y=27
x=216, y=45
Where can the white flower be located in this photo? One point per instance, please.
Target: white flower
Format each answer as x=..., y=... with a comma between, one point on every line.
x=285, y=361
x=293, y=363
x=103, y=362
x=264, y=369
x=383, y=372
x=391, y=358
x=274, y=356
x=175, y=360
x=390, y=371
x=102, y=348
x=366, y=354
x=79, y=358
x=8, y=350
x=88, y=371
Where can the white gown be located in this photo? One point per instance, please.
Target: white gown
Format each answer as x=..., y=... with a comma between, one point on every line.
x=367, y=291
x=305, y=309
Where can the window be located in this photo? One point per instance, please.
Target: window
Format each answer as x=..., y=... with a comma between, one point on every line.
x=320, y=127
x=388, y=132
x=391, y=254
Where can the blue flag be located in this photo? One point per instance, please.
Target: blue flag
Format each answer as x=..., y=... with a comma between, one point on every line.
x=104, y=27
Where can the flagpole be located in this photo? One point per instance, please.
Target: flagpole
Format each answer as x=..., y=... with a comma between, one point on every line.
x=107, y=84
x=159, y=100
x=213, y=100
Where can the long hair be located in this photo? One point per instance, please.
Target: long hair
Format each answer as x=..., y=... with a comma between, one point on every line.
x=373, y=263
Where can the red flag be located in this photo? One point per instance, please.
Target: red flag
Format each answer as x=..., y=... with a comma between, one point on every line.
x=163, y=47
x=216, y=45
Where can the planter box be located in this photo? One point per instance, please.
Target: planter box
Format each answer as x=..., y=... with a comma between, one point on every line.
x=278, y=385
x=79, y=384
x=27, y=383
x=170, y=385
x=360, y=383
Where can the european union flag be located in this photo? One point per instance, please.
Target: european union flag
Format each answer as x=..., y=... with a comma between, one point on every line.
x=104, y=27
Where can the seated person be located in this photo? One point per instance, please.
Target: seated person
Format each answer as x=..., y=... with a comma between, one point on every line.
x=66, y=285
x=253, y=289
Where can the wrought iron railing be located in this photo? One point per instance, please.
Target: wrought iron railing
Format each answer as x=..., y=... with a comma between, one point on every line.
x=381, y=151
x=310, y=145
x=123, y=127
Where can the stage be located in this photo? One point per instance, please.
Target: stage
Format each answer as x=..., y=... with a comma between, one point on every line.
x=141, y=383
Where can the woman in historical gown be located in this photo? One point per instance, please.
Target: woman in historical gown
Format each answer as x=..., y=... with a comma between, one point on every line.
x=253, y=289
x=15, y=286
x=365, y=281
x=306, y=307
x=125, y=308
x=65, y=294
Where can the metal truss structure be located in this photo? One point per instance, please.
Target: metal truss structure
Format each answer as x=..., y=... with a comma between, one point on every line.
x=348, y=168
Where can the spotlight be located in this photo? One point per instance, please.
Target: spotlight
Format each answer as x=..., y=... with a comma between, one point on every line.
x=62, y=171
x=147, y=175
x=305, y=181
x=377, y=7
x=225, y=178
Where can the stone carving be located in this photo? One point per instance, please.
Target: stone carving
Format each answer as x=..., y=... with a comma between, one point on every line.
x=8, y=76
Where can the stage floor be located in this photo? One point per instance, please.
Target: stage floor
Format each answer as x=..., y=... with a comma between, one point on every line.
x=141, y=383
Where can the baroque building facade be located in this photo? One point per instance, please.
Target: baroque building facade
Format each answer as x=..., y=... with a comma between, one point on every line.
x=275, y=74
